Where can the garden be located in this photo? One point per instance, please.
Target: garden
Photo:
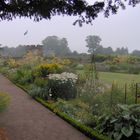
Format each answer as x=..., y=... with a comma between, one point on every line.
x=93, y=102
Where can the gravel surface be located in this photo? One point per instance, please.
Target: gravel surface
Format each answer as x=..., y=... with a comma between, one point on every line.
x=26, y=119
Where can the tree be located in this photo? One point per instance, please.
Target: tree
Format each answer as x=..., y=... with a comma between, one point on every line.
x=52, y=45
x=93, y=43
x=39, y=9
x=108, y=51
x=136, y=53
x=121, y=51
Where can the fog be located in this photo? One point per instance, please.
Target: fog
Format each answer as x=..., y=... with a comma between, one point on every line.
x=120, y=30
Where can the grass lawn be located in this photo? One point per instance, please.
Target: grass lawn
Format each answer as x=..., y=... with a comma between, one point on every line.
x=120, y=78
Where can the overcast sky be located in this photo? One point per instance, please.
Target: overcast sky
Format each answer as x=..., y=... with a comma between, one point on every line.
x=118, y=30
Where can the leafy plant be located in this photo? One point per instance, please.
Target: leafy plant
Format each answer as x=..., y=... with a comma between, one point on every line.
x=4, y=101
x=122, y=124
x=40, y=82
x=44, y=70
x=83, y=128
x=36, y=91
x=62, y=85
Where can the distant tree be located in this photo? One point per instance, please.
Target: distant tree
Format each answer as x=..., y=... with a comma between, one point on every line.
x=105, y=51
x=99, y=50
x=20, y=51
x=45, y=9
x=136, y=53
x=75, y=53
x=52, y=45
x=108, y=51
x=121, y=51
x=93, y=43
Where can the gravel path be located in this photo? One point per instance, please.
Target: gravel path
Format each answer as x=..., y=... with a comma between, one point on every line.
x=26, y=119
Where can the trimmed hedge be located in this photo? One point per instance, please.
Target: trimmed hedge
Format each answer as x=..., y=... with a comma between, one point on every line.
x=81, y=127
x=84, y=129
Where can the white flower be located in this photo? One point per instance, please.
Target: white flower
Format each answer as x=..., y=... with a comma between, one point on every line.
x=64, y=77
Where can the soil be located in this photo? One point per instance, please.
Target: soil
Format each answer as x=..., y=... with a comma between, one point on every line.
x=3, y=135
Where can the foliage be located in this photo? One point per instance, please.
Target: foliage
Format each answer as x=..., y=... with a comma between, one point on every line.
x=93, y=42
x=52, y=45
x=60, y=61
x=134, y=69
x=62, y=85
x=44, y=70
x=4, y=101
x=88, y=83
x=83, y=128
x=123, y=124
x=31, y=58
x=46, y=9
x=22, y=76
x=79, y=67
x=36, y=91
x=76, y=109
x=114, y=68
x=40, y=82
x=12, y=63
x=106, y=100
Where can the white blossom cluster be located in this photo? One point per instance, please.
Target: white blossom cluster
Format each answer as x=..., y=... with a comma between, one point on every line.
x=64, y=77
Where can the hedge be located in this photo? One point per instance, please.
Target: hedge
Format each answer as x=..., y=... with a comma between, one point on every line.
x=81, y=127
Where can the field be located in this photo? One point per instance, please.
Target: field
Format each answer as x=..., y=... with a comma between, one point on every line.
x=119, y=78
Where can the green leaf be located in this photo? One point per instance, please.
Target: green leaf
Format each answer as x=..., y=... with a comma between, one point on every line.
x=137, y=130
x=117, y=135
x=118, y=126
x=127, y=131
x=123, y=107
x=127, y=117
x=113, y=121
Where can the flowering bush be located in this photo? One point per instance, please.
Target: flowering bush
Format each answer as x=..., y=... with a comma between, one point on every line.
x=12, y=63
x=62, y=85
x=45, y=69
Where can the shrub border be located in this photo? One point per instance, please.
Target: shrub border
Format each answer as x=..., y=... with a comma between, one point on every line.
x=84, y=129
x=81, y=127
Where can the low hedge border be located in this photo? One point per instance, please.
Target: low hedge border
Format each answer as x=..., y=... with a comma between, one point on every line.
x=84, y=129
x=81, y=127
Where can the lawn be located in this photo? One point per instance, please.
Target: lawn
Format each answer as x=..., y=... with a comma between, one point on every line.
x=120, y=78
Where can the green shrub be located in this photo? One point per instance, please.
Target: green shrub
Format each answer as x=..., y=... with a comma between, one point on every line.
x=62, y=85
x=44, y=70
x=76, y=109
x=123, y=124
x=4, y=101
x=22, y=76
x=134, y=69
x=114, y=68
x=40, y=82
x=79, y=67
x=4, y=70
x=83, y=128
x=36, y=91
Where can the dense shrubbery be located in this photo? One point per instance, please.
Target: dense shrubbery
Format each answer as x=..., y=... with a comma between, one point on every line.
x=62, y=85
x=37, y=91
x=82, y=96
x=123, y=124
x=44, y=70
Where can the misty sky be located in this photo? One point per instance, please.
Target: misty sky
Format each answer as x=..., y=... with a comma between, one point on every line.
x=116, y=31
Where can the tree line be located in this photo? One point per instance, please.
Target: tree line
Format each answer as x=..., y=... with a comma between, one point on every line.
x=53, y=45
